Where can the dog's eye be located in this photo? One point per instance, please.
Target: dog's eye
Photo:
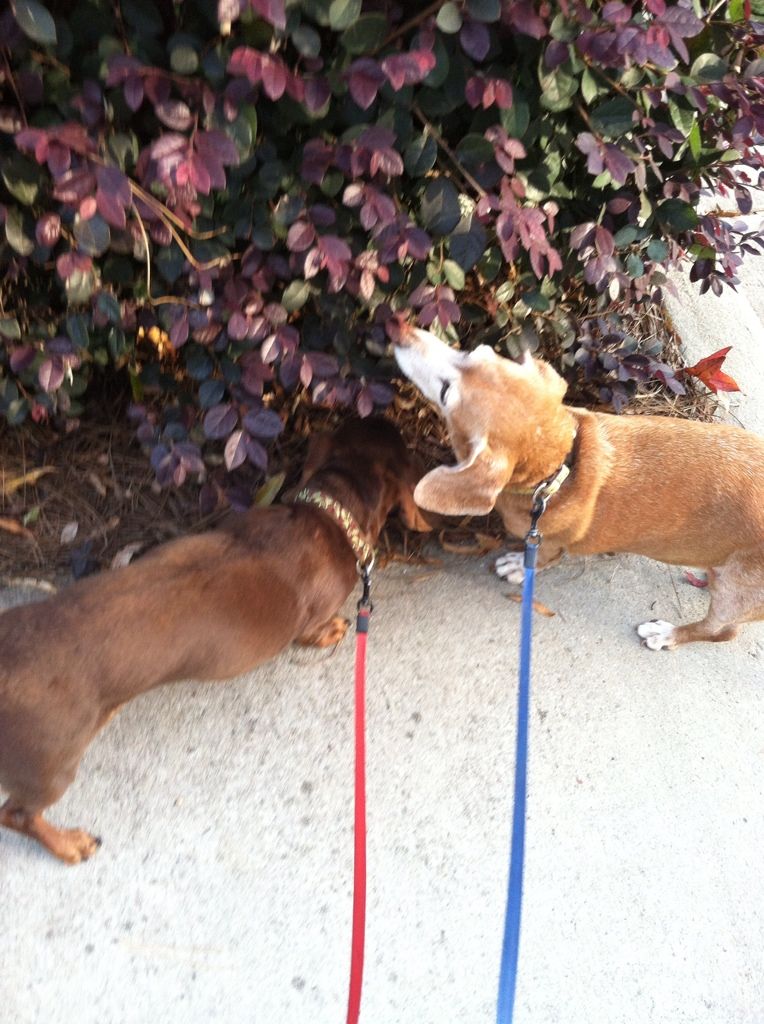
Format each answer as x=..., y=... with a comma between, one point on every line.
x=444, y=391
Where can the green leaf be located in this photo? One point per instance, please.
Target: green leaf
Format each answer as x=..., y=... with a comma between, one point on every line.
x=16, y=412
x=266, y=494
x=420, y=155
x=613, y=118
x=343, y=13
x=474, y=149
x=466, y=244
x=694, y=140
x=589, y=88
x=108, y=306
x=557, y=89
x=198, y=364
x=77, y=329
x=296, y=294
x=657, y=250
x=484, y=10
x=124, y=148
x=449, y=19
x=211, y=393
x=93, y=235
x=367, y=33
x=490, y=264
x=306, y=41
x=184, y=59
x=9, y=328
x=678, y=215
x=634, y=265
x=625, y=235
x=19, y=232
x=35, y=21
x=21, y=177
x=440, y=209
x=683, y=117
x=143, y=16
x=708, y=68
x=515, y=121
x=454, y=274
x=79, y=287
x=536, y=301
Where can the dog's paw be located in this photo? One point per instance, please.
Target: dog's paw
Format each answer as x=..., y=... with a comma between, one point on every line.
x=510, y=566
x=658, y=635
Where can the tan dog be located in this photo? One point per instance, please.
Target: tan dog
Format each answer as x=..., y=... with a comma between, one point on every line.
x=204, y=607
x=678, y=491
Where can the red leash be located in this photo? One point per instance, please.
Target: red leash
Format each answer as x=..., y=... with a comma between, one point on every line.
x=359, y=858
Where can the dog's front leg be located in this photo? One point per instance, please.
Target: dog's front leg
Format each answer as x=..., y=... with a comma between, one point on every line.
x=329, y=633
x=71, y=845
x=511, y=565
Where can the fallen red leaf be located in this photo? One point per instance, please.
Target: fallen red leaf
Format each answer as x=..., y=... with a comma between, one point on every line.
x=709, y=371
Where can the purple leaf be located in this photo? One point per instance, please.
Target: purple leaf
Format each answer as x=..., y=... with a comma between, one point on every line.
x=322, y=364
x=216, y=144
x=522, y=16
x=264, y=424
x=48, y=229
x=21, y=358
x=256, y=454
x=247, y=62
x=475, y=39
x=408, y=68
x=179, y=331
x=51, y=373
x=300, y=236
x=133, y=92
x=365, y=402
x=317, y=93
x=274, y=76
x=618, y=164
x=220, y=420
x=365, y=79
x=113, y=195
x=238, y=326
x=174, y=114
x=235, y=451
x=272, y=11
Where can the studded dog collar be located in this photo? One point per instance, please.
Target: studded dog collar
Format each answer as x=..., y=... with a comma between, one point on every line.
x=363, y=550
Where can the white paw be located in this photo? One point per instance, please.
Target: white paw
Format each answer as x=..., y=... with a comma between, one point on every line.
x=511, y=566
x=658, y=635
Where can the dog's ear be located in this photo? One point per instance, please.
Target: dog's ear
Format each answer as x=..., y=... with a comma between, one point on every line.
x=469, y=488
x=319, y=447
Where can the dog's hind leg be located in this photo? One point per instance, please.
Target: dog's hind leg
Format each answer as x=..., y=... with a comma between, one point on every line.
x=736, y=589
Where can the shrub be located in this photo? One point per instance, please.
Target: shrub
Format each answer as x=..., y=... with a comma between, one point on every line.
x=229, y=204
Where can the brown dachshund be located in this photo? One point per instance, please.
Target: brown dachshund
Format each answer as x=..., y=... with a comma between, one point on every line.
x=206, y=607
x=681, y=492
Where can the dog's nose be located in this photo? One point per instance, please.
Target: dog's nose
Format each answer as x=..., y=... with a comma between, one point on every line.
x=405, y=335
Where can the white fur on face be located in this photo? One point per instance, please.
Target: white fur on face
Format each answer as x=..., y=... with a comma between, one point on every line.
x=430, y=363
x=658, y=635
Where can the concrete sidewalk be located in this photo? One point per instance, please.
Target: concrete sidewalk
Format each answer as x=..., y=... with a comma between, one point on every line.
x=223, y=889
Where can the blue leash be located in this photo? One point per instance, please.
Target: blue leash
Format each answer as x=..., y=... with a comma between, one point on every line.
x=511, y=945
